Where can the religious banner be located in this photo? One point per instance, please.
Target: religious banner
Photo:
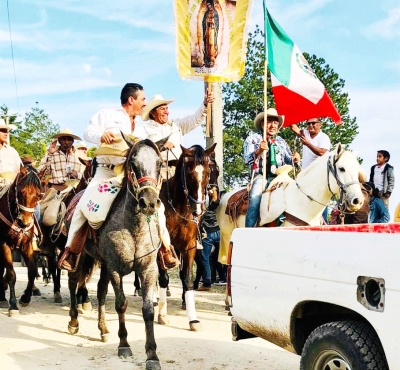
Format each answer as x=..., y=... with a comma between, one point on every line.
x=211, y=38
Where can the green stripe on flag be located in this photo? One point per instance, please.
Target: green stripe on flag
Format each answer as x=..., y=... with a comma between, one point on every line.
x=280, y=49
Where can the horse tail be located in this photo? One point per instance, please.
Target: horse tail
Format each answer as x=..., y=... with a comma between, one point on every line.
x=88, y=268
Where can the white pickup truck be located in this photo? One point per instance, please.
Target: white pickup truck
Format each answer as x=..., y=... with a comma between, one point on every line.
x=330, y=294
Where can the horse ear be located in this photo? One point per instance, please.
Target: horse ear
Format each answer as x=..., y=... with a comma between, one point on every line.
x=210, y=150
x=85, y=162
x=186, y=151
x=128, y=139
x=339, y=149
x=160, y=143
x=23, y=170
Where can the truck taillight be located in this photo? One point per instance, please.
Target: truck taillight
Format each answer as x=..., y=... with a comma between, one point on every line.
x=228, y=276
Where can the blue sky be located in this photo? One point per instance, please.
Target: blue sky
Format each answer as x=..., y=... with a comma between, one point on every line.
x=73, y=57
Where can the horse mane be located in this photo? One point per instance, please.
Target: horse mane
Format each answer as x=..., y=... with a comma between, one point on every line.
x=313, y=164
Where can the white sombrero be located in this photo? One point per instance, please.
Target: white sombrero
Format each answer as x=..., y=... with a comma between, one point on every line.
x=154, y=102
x=3, y=124
x=80, y=145
x=271, y=112
x=66, y=132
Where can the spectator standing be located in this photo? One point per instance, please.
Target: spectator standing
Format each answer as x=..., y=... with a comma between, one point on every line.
x=378, y=213
x=382, y=176
x=315, y=144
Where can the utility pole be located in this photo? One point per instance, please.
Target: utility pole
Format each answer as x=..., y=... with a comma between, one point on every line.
x=214, y=133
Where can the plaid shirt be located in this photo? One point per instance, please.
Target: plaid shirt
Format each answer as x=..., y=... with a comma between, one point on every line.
x=252, y=143
x=56, y=166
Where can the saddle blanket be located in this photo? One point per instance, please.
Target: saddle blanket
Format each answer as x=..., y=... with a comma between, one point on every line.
x=97, y=200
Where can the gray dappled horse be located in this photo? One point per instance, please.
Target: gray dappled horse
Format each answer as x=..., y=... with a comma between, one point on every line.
x=127, y=241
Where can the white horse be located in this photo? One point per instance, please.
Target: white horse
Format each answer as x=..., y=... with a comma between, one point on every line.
x=304, y=199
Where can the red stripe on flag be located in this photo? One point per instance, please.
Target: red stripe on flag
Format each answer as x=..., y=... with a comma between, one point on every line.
x=296, y=108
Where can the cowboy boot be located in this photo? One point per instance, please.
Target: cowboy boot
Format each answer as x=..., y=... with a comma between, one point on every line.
x=169, y=257
x=68, y=261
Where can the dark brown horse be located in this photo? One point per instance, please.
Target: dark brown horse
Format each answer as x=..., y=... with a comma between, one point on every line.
x=54, y=240
x=17, y=208
x=184, y=197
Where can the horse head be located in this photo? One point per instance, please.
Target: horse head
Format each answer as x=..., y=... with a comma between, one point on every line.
x=28, y=193
x=343, y=179
x=194, y=166
x=142, y=171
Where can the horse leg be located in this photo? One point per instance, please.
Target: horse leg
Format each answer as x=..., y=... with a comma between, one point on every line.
x=136, y=283
x=199, y=269
x=187, y=278
x=121, y=303
x=9, y=278
x=55, y=273
x=84, y=297
x=102, y=289
x=163, y=281
x=3, y=300
x=149, y=279
x=32, y=269
x=73, y=278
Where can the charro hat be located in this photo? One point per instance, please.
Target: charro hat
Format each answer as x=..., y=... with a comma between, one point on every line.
x=271, y=112
x=66, y=132
x=3, y=124
x=27, y=159
x=154, y=102
x=79, y=145
x=118, y=147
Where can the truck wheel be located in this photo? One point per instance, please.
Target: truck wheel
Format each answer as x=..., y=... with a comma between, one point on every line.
x=343, y=345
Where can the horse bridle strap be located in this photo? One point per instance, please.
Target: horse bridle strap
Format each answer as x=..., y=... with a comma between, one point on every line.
x=27, y=209
x=16, y=230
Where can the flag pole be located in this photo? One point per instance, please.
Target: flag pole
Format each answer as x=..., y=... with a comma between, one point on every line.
x=264, y=153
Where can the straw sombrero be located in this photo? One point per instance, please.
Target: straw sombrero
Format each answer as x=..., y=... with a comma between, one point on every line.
x=66, y=132
x=118, y=148
x=80, y=145
x=271, y=112
x=3, y=124
x=154, y=102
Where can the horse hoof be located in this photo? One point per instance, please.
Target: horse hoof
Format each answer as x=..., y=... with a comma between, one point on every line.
x=153, y=365
x=87, y=306
x=23, y=304
x=183, y=306
x=168, y=293
x=57, y=297
x=137, y=293
x=195, y=326
x=124, y=352
x=13, y=312
x=163, y=319
x=155, y=303
x=73, y=329
x=36, y=292
x=79, y=307
x=105, y=337
x=4, y=304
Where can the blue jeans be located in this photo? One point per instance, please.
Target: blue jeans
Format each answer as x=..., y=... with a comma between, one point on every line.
x=211, y=240
x=253, y=211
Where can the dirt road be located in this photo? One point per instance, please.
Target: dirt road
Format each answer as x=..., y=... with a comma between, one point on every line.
x=38, y=338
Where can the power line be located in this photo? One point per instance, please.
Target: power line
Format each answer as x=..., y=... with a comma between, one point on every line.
x=12, y=55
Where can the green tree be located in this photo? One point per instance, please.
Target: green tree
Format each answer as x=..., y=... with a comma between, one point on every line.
x=33, y=134
x=244, y=99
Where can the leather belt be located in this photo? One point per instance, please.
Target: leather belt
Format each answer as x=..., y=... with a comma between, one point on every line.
x=109, y=166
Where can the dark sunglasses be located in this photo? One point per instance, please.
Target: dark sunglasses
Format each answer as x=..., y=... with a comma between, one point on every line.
x=312, y=123
x=4, y=130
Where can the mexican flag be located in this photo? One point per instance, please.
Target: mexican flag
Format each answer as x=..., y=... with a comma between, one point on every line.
x=299, y=94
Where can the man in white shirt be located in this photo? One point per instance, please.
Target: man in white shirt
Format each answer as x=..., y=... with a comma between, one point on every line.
x=315, y=142
x=105, y=127
x=10, y=162
x=160, y=126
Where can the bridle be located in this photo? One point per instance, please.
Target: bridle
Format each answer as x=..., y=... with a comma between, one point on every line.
x=184, y=182
x=18, y=231
x=343, y=187
x=137, y=188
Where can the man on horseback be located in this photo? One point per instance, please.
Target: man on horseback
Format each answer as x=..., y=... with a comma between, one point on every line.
x=104, y=129
x=61, y=162
x=10, y=162
x=278, y=154
x=160, y=126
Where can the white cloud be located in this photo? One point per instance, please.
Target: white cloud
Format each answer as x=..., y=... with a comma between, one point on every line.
x=387, y=28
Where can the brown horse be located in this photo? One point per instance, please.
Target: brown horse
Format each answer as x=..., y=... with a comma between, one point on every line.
x=54, y=241
x=17, y=208
x=184, y=196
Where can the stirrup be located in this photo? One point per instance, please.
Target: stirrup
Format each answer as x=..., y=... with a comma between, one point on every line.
x=161, y=259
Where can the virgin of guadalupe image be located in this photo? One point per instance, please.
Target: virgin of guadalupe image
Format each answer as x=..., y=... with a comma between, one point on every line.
x=210, y=34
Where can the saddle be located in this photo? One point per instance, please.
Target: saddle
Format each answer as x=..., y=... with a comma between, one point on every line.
x=237, y=204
